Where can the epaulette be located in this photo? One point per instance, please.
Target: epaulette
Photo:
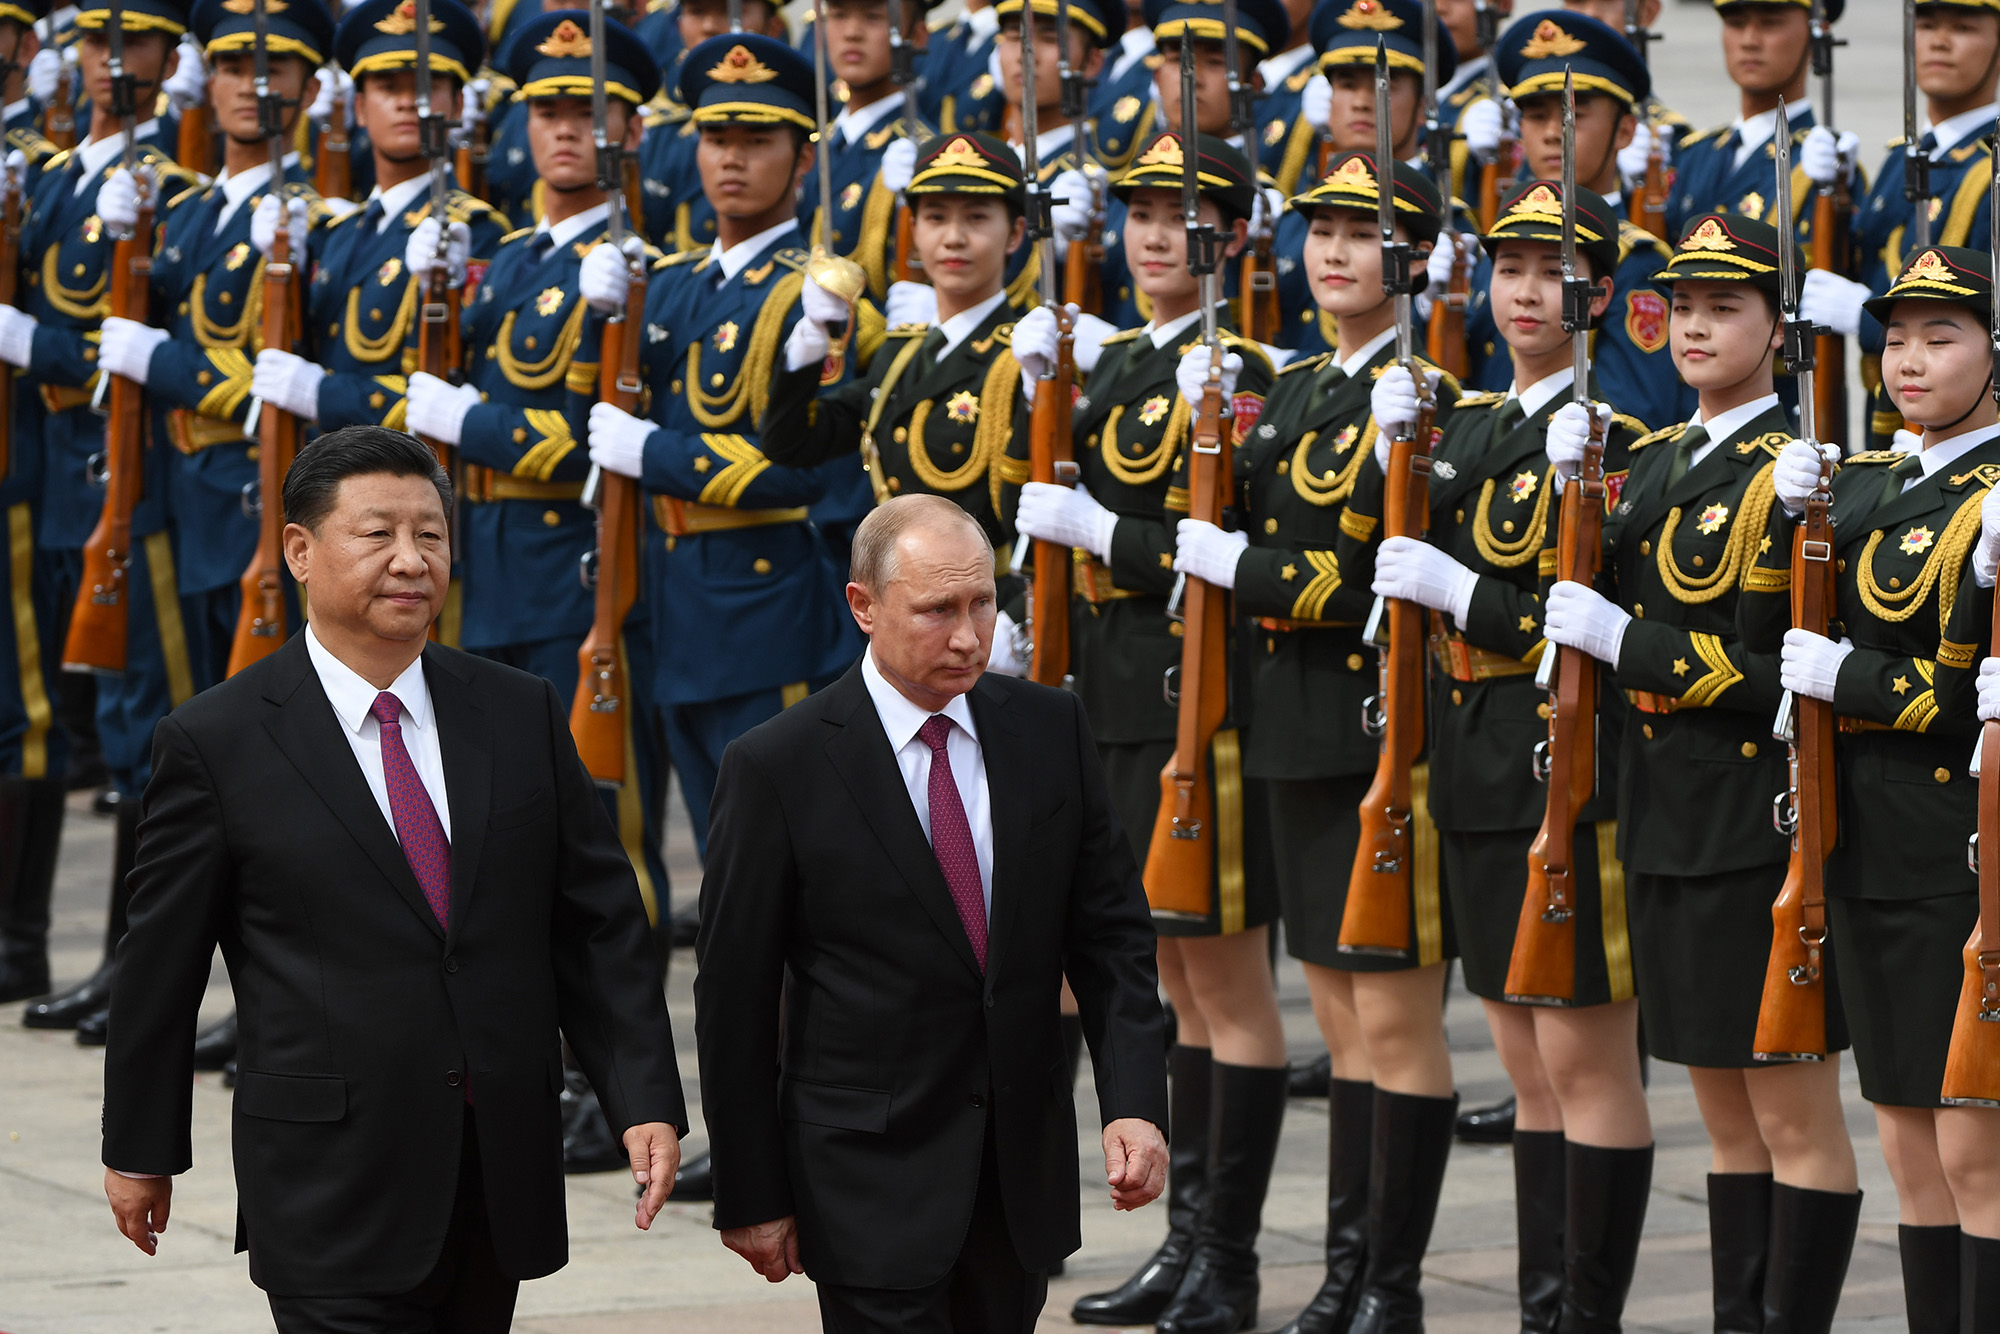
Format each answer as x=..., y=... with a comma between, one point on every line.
x=1694, y=139
x=57, y=161
x=1667, y=433
x=1122, y=336
x=351, y=213
x=793, y=258
x=1632, y=238
x=517, y=235
x=1986, y=474
x=681, y=257
x=1481, y=399
x=174, y=200
x=1297, y=83
x=940, y=25
x=1874, y=456
x=1306, y=363
x=1771, y=442
x=1632, y=424
x=31, y=142
x=465, y=206
x=914, y=329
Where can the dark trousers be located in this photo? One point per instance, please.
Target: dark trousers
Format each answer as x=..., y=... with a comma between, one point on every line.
x=465, y=1292
x=986, y=1292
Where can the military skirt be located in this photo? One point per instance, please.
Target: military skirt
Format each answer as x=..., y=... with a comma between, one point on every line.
x=1315, y=828
x=1245, y=891
x=1700, y=946
x=1901, y=967
x=1486, y=876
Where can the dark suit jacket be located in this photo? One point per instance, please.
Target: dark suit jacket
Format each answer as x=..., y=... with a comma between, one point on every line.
x=360, y=1019
x=862, y=1108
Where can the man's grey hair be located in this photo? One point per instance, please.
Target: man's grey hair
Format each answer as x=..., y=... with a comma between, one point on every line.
x=873, y=562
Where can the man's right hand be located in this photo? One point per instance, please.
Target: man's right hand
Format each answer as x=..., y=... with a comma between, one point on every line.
x=140, y=1204
x=771, y=1248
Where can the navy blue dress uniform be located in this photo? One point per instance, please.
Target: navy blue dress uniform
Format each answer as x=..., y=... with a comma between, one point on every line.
x=958, y=92
x=864, y=209
x=1900, y=898
x=1287, y=144
x=1123, y=108
x=660, y=29
x=1629, y=353
x=745, y=606
x=510, y=168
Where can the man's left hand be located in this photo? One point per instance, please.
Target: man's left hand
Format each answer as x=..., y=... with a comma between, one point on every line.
x=1135, y=1162
x=140, y=1206
x=655, y=1150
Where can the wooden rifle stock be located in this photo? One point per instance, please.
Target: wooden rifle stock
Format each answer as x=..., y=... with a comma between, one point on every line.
x=1446, y=335
x=437, y=345
x=1377, y=916
x=59, y=121
x=1972, y=1064
x=1832, y=207
x=1257, y=303
x=908, y=266
x=96, y=641
x=1180, y=859
x=1651, y=210
x=470, y=156
x=1791, y=1020
x=1542, y=969
x=332, y=173
x=1083, y=268
x=261, y=618
x=195, y=147
x=600, y=714
x=1049, y=460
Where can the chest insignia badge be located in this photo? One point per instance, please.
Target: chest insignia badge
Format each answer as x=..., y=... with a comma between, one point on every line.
x=850, y=196
x=1521, y=488
x=1345, y=440
x=1917, y=540
x=93, y=229
x=1274, y=131
x=1152, y=410
x=550, y=301
x=962, y=407
x=238, y=253
x=387, y=273
x=1751, y=205
x=1713, y=518
x=725, y=336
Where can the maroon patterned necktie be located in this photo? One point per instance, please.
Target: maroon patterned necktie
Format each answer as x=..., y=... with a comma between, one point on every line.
x=415, y=818
x=951, y=838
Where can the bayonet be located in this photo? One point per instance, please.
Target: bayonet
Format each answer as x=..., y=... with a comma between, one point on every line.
x=736, y=16
x=901, y=59
x=1396, y=255
x=610, y=178
x=1638, y=34
x=1075, y=102
x=834, y=273
x=1437, y=137
x=1041, y=226
x=1203, y=251
x=1241, y=95
x=124, y=90
x=1578, y=291
x=1916, y=162
x=1800, y=348
x=432, y=133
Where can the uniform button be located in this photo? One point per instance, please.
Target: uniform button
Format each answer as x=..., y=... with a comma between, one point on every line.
x=899, y=435
x=1270, y=641
x=1840, y=566
x=1284, y=467
x=1645, y=548
x=1270, y=525
x=453, y=1078
x=1697, y=562
x=332, y=329
x=1458, y=516
x=183, y=308
x=225, y=297
x=978, y=1100
x=1942, y=775
x=1639, y=610
x=520, y=435
x=1090, y=442
x=895, y=484
x=375, y=313
x=1506, y=525
x=531, y=342
x=674, y=386
x=1176, y=629
x=716, y=379
x=1458, y=697
x=1353, y=659
x=1647, y=728
x=451, y=965
x=551, y=518
x=1542, y=711
x=761, y=566
x=1749, y=750
x=1895, y=583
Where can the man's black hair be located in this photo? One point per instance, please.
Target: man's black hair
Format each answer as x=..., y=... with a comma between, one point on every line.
x=352, y=451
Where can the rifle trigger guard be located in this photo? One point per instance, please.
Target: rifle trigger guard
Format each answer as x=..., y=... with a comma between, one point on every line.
x=98, y=468
x=586, y=569
x=1373, y=720
x=1539, y=762
x=1784, y=814
x=1972, y=852
x=1167, y=688
x=252, y=499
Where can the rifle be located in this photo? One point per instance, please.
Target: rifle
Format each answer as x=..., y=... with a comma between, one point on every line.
x=599, y=717
x=901, y=74
x=1916, y=162
x=97, y=628
x=437, y=328
x=1791, y=1020
x=1444, y=337
x=1542, y=969
x=834, y=273
x=1649, y=201
x=1972, y=1063
x=1082, y=270
x=59, y=120
x=1049, y=443
x=1833, y=208
x=1377, y=917
x=473, y=150
x=12, y=191
x=1494, y=174
x=333, y=175
x=1258, y=314
x=194, y=148
x=1180, y=861
x=261, y=616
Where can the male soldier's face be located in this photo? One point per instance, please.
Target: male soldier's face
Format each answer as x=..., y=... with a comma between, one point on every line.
x=1351, y=123
x=1956, y=53
x=1723, y=333
x=964, y=241
x=563, y=139
x=1765, y=46
x=1156, y=243
x=18, y=44
x=232, y=91
x=1211, y=86
x=149, y=58
x=1936, y=360
x=1612, y=12
x=749, y=171
x=857, y=39
x=1461, y=20
x=1527, y=296
x=1083, y=56
x=1603, y=126
x=385, y=105
x=702, y=19
x=1343, y=255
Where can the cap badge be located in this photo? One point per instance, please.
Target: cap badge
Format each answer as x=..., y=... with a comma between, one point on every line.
x=1930, y=265
x=739, y=66
x=1354, y=173
x=1370, y=15
x=402, y=20
x=1708, y=236
x=1541, y=199
x=1164, y=151
x=1549, y=39
x=960, y=152
x=566, y=40
x=250, y=6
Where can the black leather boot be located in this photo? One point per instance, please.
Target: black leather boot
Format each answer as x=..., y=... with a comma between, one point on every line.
x=1350, y=1150
x=1608, y=1191
x=31, y=820
x=1412, y=1145
x=1072, y=1036
x=1140, y=1298
x=695, y=1180
x=1540, y=1197
x=93, y=994
x=1739, y=1240
x=587, y=1142
x=1812, y=1236
x=1930, y=1277
x=215, y=1046
x=1488, y=1125
x=1979, y=1284
x=1218, y=1295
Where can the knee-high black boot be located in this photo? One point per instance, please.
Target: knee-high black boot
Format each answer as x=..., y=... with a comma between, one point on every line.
x=1930, y=1277
x=1140, y=1298
x=31, y=820
x=1350, y=1151
x=1979, y=1284
x=1739, y=1242
x=1412, y=1146
x=1540, y=1195
x=1601, y=1226
x=1218, y=1295
x=93, y=995
x=1812, y=1237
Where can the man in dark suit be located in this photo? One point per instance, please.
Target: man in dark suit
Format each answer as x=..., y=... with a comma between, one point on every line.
x=418, y=895
x=915, y=857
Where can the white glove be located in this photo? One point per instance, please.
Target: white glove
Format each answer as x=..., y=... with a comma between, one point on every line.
x=1795, y=475
x=118, y=201
x=1809, y=664
x=806, y=345
x=1005, y=656
x=618, y=440
x=288, y=382
x=17, y=166
x=472, y=105
x=1568, y=433
x=421, y=251
x=910, y=303
x=1483, y=124
x=1440, y=262
x=263, y=223
x=1833, y=302
x=438, y=408
x=899, y=164
x=1823, y=156
x=1393, y=402
x=604, y=279
x=1986, y=551
x=1071, y=214
x=1265, y=207
x=187, y=86
x=17, y=337
x=1087, y=334
x=1582, y=618
x=1066, y=515
x=1989, y=690
x=1191, y=376
x=1414, y=570
x=1034, y=345
x=1203, y=551
x=1316, y=102
x=823, y=307
x=43, y=72
x=127, y=348
x=334, y=84
x=1635, y=157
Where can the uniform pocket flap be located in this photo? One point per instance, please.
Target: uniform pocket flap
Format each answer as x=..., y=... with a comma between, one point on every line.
x=291, y=1097
x=835, y=1105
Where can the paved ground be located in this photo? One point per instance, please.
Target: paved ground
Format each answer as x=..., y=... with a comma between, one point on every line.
x=64, y=1270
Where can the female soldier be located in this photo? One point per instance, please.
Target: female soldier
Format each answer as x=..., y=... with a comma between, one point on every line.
x=1575, y=1070
x=1302, y=570
x=1697, y=771
x=1229, y=1061
x=1900, y=899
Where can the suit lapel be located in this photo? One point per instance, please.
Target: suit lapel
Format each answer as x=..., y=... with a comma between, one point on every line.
x=1007, y=772
x=468, y=773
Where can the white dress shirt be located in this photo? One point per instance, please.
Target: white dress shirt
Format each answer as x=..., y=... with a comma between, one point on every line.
x=1754, y=133
x=962, y=325
x=1537, y=395
x=353, y=701
x=236, y=189
x=1134, y=45
x=901, y=720
x=1726, y=425
x=1353, y=363
x=399, y=198
x=574, y=226
x=737, y=258
x=98, y=154
x=851, y=123
x=1955, y=130
x=1936, y=458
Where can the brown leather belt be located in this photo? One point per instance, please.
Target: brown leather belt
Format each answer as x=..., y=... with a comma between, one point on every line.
x=190, y=432
x=1468, y=662
x=1846, y=724
x=1645, y=701
x=1285, y=625
x=482, y=486
x=679, y=518
x=61, y=398
x=1093, y=582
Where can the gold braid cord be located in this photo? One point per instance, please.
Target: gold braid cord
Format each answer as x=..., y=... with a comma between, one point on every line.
x=1506, y=554
x=540, y=374
x=1738, y=557
x=1949, y=554
x=207, y=331
x=1150, y=467
x=1337, y=483
x=996, y=424
x=753, y=379
x=372, y=351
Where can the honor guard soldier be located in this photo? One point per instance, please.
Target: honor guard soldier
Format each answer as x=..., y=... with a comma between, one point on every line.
x=1287, y=140
x=1696, y=772
x=52, y=334
x=512, y=190
x=1304, y=579
x=1957, y=70
x=744, y=603
x=1132, y=431
x=1091, y=30
x=1896, y=664
x=659, y=29
x=959, y=92
x=20, y=42
x=1659, y=118
x=1123, y=112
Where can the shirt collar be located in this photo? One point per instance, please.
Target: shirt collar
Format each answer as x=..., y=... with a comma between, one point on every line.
x=900, y=718
x=13, y=109
x=1537, y=395
x=960, y=326
x=1734, y=420
x=353, y=698
x=1351, y=365
x=1163, y=334
x=1283, y=65
x=397, y=199
x=1954, y=130
x=1051, y=140
x=100, y=153
x=569, y=229
x=1138, y=41
x=984, y=22
x=1939, y=457
x=1754, y=131
x=1466, y=72
x=852, y=124
x=236, y=189
x=737, y=258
